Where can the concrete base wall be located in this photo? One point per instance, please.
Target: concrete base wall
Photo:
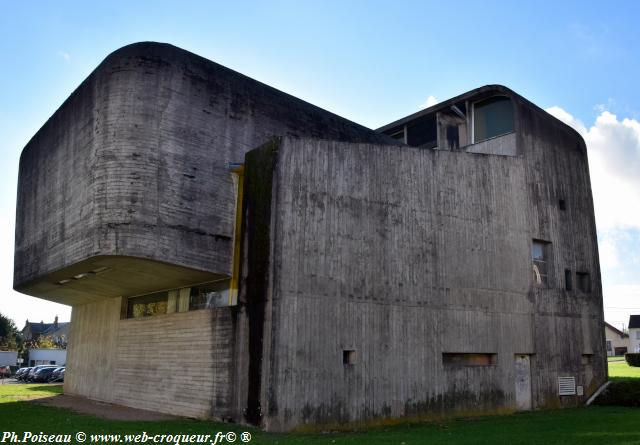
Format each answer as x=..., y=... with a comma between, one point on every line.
x=176, y=363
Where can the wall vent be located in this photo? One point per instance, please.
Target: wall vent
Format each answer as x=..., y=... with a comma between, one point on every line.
x=567, y=386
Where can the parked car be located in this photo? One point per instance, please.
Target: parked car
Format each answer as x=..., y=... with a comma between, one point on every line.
x=42, y=375
x=5, y=372
x=34, y=370
x=22, y=373
x=57, y=375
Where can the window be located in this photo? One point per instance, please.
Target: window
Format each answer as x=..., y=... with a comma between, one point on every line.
x=568, y=280
x=583, y=281
x=540, y=256
x=209, y=295
x=349, y=357
x=399, y=135
x=423, y=132
x=609, y=345
x=147, y=305
x=492, y=117
x=468, y=359
x=637, y=335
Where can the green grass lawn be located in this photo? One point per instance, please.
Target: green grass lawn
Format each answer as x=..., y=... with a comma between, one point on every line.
x=615, y=358
x=621, y=370
x=592, y=425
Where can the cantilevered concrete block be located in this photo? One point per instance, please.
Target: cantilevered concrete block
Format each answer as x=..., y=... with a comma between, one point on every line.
x=126, y=189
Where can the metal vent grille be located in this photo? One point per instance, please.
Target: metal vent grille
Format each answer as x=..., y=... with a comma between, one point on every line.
x=567, y=386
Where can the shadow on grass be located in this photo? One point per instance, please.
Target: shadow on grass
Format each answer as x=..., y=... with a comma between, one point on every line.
x=53, y=389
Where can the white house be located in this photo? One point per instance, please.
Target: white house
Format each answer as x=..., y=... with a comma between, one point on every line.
x=8, y=358
x=47, y=357
x=617, y=341
x=634, y=333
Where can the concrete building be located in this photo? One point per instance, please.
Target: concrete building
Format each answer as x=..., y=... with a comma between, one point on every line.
x=262, y=260
x=617, y=342
x=634, y=333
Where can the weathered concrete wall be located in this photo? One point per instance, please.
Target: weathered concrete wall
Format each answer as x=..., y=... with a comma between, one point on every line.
x=403, y=255
x=179, y=363
x=567, y=324
x=134, y=164
x=176, y=363
x=91, y=353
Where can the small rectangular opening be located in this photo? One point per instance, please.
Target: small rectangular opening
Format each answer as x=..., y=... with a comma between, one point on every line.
x=587, y=359
x=568, y=279
x=468, y=359
x=562, y=204
x=349, y=357
x=583, y=280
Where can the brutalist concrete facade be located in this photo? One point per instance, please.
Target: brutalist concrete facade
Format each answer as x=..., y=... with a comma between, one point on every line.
x=382, y=274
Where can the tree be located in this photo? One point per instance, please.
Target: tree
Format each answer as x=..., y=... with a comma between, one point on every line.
x=10, y=337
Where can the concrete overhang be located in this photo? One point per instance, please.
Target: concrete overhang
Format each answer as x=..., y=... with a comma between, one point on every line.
x=112, y=276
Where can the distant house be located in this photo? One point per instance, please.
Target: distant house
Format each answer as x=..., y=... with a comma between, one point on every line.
x=634, y=333
x=56, y=331
x=617, y=341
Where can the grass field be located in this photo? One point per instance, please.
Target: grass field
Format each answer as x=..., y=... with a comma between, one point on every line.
x=621, y=370
x=592, y=425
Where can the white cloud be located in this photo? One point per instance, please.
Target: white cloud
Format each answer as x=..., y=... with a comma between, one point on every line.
x=430, y=102
x=65, y=56
x=614, y=162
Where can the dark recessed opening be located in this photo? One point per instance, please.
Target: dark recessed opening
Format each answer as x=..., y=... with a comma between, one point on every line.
x=468, y=359
x=562, y=204
x=568, y=279
x=349, y=357
x=583, y=281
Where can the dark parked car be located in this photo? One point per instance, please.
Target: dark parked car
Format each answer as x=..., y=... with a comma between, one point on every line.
x=22, y=373
x=57, y=375
x=42, y=375
x=31, y=375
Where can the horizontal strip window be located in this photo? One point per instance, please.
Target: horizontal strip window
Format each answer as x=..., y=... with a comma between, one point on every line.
x=148, y=305
x=203, y=296
x=469, y=359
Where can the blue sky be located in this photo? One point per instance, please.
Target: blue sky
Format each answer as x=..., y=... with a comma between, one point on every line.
x=372, y=62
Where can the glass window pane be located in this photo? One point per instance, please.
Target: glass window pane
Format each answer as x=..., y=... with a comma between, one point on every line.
x=537, y=251
x=147, y=305
x=492, y=117
x=209, y=295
